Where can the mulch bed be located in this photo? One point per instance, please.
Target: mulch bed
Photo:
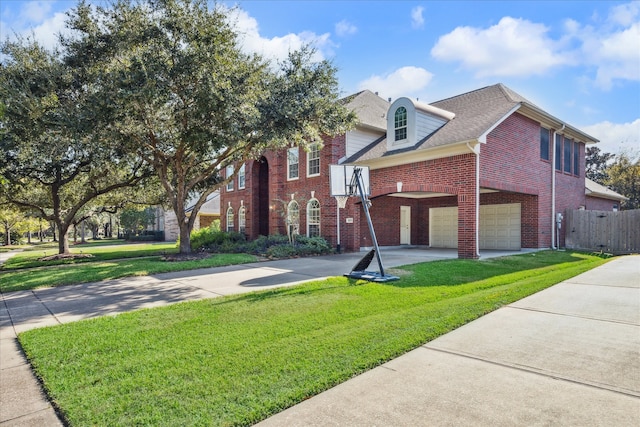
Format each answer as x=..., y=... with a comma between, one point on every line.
x=64, y=256
x=186, y=257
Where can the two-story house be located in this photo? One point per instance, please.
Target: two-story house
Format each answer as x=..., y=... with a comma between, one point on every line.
x=487, y=169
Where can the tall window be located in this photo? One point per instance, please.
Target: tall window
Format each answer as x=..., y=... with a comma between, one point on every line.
x=242, y=219
x=313, y=160
x=241, y=178
x=313, y=218
x=228, y=173
x=568, y=145
x=292, y=163
x=229, y=218
x=576, y=158
x=544, y=144
x=401, y=124
x=558, y=153
x=293, y=218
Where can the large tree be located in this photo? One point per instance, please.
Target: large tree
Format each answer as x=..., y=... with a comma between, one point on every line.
x=597, y=163
x=57, y=153
x=623, y=176
x=190, y=102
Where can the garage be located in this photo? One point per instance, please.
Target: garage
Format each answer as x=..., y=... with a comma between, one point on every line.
x=499, y=227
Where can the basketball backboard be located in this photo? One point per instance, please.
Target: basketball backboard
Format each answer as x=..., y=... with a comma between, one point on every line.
x=341, y=176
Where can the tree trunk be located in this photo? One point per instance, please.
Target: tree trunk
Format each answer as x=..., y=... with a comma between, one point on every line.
x=7, y=235
x=185, y=237
x=63, y=242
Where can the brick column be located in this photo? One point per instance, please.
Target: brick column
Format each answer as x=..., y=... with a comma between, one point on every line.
x=467, y=224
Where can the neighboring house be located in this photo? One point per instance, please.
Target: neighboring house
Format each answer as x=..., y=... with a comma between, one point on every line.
x=600, y=198
x=209, y=212
x=487, y=169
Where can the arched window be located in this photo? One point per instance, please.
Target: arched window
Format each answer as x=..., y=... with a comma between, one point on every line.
x=242, y=220
x=229, y=218
x=293, y=219
x=401, y=124
x=313, y=218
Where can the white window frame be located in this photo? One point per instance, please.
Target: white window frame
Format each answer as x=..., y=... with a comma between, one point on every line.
x=242, y=219
x=227, y=174
x=400, y=126
x=313, y=155
x=293, y=220
x=293, y=153
x=313, y=220
x=241, y=178
x=230, y=219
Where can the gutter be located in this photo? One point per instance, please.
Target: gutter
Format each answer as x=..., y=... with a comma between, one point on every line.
x=553, y=190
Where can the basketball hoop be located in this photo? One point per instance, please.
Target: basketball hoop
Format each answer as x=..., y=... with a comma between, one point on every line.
x=342, y=201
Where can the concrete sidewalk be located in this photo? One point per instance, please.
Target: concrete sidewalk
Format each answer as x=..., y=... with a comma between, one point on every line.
x=510, y=360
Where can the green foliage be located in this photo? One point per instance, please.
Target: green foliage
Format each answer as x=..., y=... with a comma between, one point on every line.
x=179, y=90
x=274, y=246
x=135, y=220
x=624, y=178
x=596, y=164
x=237, y=360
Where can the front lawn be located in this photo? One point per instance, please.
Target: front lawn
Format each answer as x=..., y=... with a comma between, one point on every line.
x=29, y=259
x=239, y=359
x=97, y=271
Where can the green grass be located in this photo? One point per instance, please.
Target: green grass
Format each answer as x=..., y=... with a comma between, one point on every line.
x=97, y=271
x=237, y=360
x=29, y=259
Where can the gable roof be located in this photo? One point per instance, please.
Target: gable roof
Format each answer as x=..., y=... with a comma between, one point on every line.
x=370, y=109
x=593, y=189
x=476, y=114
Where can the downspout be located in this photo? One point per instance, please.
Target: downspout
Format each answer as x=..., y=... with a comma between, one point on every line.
x=476, y=151
x=553, y=190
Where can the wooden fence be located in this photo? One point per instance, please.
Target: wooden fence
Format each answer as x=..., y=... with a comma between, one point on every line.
x=612, y=232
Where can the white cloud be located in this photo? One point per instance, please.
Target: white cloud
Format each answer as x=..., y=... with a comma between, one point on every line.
x=402, y=82
x=277, y=48
x=614, y=54
x=34, y=20
x=615, y=137
x=417, y=20
x=345, y=28
x=513, y=47
x=624, y=14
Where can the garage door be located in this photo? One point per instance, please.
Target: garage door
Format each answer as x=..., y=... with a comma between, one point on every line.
x=443, y=227
x=499, y=227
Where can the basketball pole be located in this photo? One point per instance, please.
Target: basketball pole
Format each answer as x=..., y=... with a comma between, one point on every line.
x=338, y=219
x=365, y=204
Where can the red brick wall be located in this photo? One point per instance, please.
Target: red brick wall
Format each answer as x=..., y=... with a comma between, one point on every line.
x=454, y=175
x=598, y=204
x=280, y=191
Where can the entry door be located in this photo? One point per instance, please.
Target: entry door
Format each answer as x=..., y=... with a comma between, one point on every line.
x=405, y=225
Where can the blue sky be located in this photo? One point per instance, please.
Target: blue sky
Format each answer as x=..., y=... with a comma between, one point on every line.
x=578, y=60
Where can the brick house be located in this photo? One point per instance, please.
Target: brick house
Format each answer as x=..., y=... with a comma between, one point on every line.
x=487, y=169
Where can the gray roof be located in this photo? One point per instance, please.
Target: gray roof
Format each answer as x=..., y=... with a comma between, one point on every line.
x=475, y=113
x=594, y=189
x=370, y=109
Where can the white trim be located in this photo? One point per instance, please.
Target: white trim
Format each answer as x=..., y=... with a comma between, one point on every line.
x=242, y=174
x=228, y=172
x=309, y=160
x=309, y=216
x=289, y=150
x=414, y=156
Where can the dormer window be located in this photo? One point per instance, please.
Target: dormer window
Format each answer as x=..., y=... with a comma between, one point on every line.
x=401, y=124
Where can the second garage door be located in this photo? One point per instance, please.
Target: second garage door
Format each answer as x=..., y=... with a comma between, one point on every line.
x=499, y=227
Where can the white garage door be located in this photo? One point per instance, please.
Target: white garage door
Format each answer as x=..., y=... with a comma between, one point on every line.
x=499, y=227
x=443, y=227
